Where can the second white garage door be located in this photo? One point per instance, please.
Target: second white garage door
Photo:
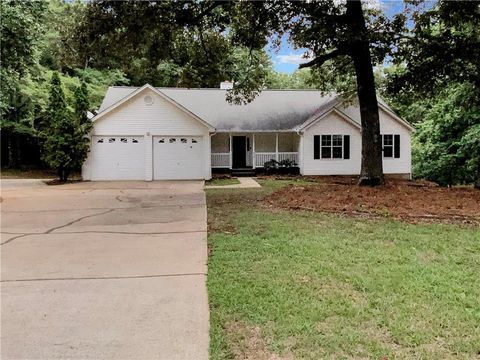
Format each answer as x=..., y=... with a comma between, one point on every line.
x=178, y=158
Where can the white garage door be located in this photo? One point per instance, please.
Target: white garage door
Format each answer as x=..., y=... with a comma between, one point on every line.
x=178, y=157
x=118, y=158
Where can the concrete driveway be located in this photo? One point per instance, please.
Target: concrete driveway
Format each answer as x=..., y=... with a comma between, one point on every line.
x=103, y=270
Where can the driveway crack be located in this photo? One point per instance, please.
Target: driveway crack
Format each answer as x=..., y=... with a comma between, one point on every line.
x=49, y=231
x=77, y=220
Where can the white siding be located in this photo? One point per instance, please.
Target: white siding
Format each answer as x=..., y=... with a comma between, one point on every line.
x=333, y=124
x=135, y=117
x=403, y=164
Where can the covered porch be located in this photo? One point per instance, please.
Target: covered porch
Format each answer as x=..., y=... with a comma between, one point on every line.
x=237, y=150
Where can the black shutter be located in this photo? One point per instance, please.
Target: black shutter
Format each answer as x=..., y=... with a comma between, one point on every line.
x=396, y=143
x=316, y=146
x=346, y=146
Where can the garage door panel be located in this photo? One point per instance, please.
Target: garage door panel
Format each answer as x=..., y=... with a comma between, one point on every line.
x=118, y=158
x=178, y=158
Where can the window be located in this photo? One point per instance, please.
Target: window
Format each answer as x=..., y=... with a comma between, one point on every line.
x=326, y=146
x=123, y=140
x=387, y=146
x=161, y=141
x=134, y=141
x=332, y=147
x=183, y=141
x=391, y=146
x=172, y=140
x=194, y=141
x=111, y=140
x=100, y=141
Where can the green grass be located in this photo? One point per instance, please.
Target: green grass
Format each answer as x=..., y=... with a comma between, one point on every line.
x=222, y=181
x=27, y=174
x=317, y=286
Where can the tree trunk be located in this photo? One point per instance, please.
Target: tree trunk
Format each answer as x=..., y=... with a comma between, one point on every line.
x=477, y=175
x=371, y=172
x=63, y=175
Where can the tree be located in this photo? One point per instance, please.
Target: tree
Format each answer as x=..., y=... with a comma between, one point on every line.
x=20, y=30
x=81, y=104
x=65, y=142
x=447, y=138
x=440, y=63
x=330, y=32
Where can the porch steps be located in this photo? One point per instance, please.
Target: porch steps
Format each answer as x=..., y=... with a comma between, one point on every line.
x=243, y=172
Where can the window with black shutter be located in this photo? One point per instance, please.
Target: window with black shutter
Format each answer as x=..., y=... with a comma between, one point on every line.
x=316, y=146
x=387, y=145
x=391, y=146
x=346, y=146
x=331, y=147
x=396, y=143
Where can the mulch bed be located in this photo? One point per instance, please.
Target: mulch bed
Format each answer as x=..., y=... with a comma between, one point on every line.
x=400, y=199
x=58, y=182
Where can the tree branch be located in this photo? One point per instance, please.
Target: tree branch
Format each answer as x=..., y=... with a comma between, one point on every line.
x=319, y=60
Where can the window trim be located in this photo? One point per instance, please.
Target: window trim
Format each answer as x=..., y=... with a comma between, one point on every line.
x=332, y=147
x=390, y=146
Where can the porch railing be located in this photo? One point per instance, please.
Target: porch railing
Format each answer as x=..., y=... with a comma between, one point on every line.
x=292, y=156
x=262, y=157
x=221, y=160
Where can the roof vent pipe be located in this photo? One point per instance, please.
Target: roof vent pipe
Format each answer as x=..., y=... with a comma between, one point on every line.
x=226, y=85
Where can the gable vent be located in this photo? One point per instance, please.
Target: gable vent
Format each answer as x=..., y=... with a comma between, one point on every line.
x=148, y=100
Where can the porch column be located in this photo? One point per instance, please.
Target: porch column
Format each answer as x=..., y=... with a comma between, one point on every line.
x=230, y=148
x=253, y=151
x=276, y=146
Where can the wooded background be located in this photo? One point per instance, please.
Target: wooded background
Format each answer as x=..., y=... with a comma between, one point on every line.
x=425, y=62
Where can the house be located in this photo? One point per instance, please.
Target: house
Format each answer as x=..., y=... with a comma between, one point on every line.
x=149, y=133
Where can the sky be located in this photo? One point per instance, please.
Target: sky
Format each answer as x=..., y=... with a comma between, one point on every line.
x=287, y=58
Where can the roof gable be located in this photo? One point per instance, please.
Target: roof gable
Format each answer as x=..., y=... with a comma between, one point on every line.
x=350, y=113
x=138, y=91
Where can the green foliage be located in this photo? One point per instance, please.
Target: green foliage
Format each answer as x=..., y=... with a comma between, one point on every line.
x=446, y=146
x=64, y=136
x=81, y=103
x=59, y=50
x=435, y=83
x=324, y=29
x=444, y=47
x=299, y=79
x=20, y=29
x=249, y=69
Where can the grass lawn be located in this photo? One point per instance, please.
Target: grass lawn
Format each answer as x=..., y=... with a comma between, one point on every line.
x=27, y=174
x=222, y=181
x=306, y=285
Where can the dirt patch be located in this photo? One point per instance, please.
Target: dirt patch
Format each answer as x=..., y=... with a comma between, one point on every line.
x=399, y=199
x=247, y=343
x=58, y=182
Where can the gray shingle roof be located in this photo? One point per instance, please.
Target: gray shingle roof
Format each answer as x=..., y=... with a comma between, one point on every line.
x=271, y=110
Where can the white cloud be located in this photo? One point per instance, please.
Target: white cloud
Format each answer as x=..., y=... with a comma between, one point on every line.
x=292, y=59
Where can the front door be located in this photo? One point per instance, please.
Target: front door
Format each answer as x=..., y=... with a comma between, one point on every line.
x=239, y=152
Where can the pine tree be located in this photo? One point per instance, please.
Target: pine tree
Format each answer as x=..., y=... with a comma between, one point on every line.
x=81, y=103
x=65, y=142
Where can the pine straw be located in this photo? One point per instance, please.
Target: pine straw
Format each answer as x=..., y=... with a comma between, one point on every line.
x=405, y=200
